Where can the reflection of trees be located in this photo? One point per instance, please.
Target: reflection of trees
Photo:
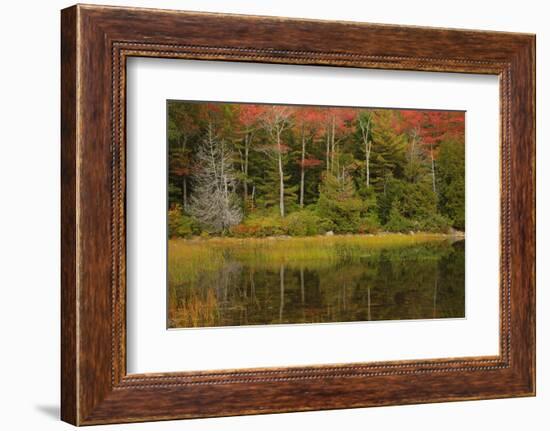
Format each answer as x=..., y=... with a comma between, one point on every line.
x=435, y=297
x=417, y=282
x=282, y=286
x=302, y=285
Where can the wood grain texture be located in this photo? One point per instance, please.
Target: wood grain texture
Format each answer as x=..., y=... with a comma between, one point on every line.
x=96, y=41
x=69, y=366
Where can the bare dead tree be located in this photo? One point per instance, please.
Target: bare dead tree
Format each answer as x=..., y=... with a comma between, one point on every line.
x=214, y=200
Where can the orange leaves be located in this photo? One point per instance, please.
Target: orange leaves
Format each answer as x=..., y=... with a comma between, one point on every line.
x=249, y=115
x=433, y=126
x=310, y=163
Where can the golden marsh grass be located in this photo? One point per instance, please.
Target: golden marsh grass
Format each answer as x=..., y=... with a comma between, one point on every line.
x=189, y=257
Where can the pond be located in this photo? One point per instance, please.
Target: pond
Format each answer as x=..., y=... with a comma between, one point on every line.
x=333, y=280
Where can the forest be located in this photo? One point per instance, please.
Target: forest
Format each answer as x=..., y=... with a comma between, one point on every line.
x=253, y=170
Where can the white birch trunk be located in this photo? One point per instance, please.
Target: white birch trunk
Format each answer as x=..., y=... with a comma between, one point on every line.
x=333, y=142
x=433, y=167
x=245, y=185
x=302, y=170
x=281, y=175
x=328, y=152
x=365, y=128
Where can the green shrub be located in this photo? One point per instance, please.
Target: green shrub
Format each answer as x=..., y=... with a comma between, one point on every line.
x=181, y=225
x=345, y=215
x=303, y=223
x=326, y=225
x=369, y=224
x=428, y=222
x=398, y=223
x=259, y=226
x=434, y=223
x=347, y=211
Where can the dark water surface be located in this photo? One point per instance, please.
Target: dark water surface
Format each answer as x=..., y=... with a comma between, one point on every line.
x=411, y=282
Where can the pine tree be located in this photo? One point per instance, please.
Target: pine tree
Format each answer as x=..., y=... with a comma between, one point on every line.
x=388, y=150
x=339, y=202
x=451, y=181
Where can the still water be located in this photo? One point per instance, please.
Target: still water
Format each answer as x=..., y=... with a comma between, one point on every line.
x=422, y=281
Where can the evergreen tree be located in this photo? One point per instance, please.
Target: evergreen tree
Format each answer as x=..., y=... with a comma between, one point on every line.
x=388, y=150
x=451, y=181
x=338, y=202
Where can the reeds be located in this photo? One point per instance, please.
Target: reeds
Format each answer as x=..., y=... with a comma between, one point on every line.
x=195, y=310
x=187, y=259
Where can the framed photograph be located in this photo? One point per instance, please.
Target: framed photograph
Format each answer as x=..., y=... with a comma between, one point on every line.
x=264, y=215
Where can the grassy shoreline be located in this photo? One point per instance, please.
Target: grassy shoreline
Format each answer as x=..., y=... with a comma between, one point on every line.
x=188, y=258
x=390, y=236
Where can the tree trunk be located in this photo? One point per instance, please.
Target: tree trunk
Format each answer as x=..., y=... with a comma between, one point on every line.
x=183, y=148
x=244, y=167
x=412, y=155
x=365, y=128
x=328, y=152
x=281, y=176
x=367, y=161
x=302, y=171
x=282, y=286
x=222, y=177
x=333, y=143
x=433, y=167
x=185, y=193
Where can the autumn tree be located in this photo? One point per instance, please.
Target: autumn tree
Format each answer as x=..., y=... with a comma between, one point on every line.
x=429, y=128
x=249, y=122
x=336, y=123
x=183, y=126
x=307, y=123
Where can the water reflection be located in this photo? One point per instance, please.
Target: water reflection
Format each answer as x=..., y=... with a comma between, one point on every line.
x=413, y=282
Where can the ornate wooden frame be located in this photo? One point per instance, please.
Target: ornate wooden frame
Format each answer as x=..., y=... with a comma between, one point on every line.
x=95, y=43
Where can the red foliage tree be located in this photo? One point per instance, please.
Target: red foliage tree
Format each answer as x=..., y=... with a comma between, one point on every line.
x=336, y=124
x=306, y=121
x=249, y=119
x=429, y=128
